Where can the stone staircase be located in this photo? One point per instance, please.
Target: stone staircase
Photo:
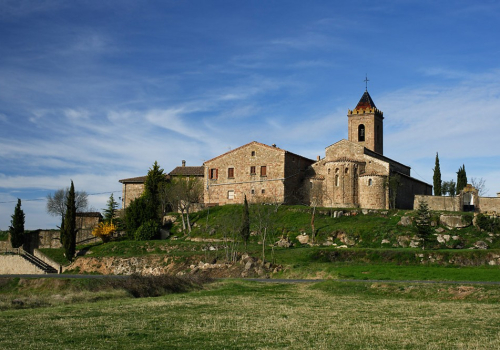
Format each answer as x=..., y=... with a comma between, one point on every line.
x=37, y=262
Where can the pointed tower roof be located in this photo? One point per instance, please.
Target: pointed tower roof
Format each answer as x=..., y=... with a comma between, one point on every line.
x=365, y=102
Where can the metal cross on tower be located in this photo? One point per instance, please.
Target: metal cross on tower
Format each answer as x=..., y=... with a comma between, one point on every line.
x=366, y=82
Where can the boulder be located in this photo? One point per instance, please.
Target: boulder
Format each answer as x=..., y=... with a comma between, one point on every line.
x=284, y=242
x=405, y=221
x=454, y=221
x=481, y=245
x=303, y=238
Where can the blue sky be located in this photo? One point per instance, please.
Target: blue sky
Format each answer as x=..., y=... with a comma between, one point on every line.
x=97, y=91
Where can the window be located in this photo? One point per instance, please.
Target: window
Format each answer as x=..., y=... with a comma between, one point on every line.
x=263, y=191
x=369, y=182
x=347, y=170
x=252, y=170
x=311, y=184
x=214, y=173
x=263, y=171
x=253, y=153
x=361, y=133
x=253, y=191
x=230, y=194
x=230, y=173
x=329, y=171
x=336, y=180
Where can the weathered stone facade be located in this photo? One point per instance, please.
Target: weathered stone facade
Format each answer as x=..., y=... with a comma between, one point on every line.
x=355, y=173
x=259, y=171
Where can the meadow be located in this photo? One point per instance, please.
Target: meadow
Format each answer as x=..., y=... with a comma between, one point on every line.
x=236, y=314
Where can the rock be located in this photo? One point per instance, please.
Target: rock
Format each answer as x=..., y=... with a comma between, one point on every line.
x=384, y=213
x=440, y=230
x=481, y=245
x=365, y=211
x=328, y=243
x=169, y=219
x=403, y=241
x=341, y=246
x=248, y=265
x=405, y=221
x=456, y=238
x=385, y=241
x=454, y=221
x=414, y=244
x=284, y=242
x=443, y=238
x=303, y=238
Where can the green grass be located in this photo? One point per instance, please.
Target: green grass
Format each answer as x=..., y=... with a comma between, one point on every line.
x=245, y=315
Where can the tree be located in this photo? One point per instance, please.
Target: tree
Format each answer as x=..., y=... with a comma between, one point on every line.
x=437, y=177
x=109, y=212
x=68, y=231
x=139, y=211
x=479, y=185
x=16, y=229
x=181, y=193
x=245, y=223
x=152, y=185
x=423, y=223
x=461, y=179
x=56, y=204
x=448, y=187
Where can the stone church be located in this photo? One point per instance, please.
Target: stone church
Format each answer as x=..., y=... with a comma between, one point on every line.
x=353, y=174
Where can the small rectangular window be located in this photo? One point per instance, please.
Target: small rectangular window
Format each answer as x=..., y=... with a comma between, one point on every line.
x=253, y=153
x=213, y=174
x=230, y=173
x=252, y=170
x=263, y=191
x=253, y=191
x=263, y=171
x=230, y=194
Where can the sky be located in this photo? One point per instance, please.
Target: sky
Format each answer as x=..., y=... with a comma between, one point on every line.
x=97, y=91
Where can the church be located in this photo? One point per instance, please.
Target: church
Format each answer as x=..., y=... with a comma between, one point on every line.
x=353, y=174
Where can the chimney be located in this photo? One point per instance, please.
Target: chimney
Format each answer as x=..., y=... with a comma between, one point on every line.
x=318, y=158
x=183, y=163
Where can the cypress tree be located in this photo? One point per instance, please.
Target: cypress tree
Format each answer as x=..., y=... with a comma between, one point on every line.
x=154, y=179
x=245, y=223
x=437, y=177
x=68, y=231
x=461, y=179
x=17, y=229
x=109, y=212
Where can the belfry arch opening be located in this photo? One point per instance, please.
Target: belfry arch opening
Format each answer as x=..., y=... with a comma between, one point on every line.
x=361, y=133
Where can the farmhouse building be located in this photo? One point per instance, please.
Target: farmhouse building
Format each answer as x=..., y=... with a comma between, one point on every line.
x=257, y=171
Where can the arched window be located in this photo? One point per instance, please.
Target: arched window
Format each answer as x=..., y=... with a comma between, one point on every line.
x=329, y=171
x=346, y=170
x=336, y=180
x=361, y=133
x=369, y=182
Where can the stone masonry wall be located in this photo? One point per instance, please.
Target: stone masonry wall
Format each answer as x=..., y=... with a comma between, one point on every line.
x=254, y=186
x=490, y=205
x=409, y=188
x=130, y=192
x=373, y=194
x=439, y=202
x=15, y=264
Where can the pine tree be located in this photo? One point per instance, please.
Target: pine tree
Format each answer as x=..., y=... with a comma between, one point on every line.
x=461, y=179
x=68, y=231
x=17, y=229
x=437, y=177
x=245, y=223
x=109, y=212
x=423, y=223
x=154, y=179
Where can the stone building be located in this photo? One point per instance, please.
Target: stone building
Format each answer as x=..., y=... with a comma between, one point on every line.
x=355, y=173
x=259, y=171
x=133, y=188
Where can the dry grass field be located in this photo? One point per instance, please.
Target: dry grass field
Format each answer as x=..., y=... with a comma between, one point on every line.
x=250, y=315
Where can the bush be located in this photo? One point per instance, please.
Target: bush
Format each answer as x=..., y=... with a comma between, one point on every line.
x=147, y=231
x=139, y=211
x=104, y=231
x=487, y=223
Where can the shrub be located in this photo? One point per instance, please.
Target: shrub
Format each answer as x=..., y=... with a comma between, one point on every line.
x=487, y=223
x=104, y=231
x=147, y=231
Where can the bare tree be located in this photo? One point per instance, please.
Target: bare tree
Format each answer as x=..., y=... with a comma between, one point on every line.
x=479, y=185
x=56, y=204
x=181, y=194
x=316, y=196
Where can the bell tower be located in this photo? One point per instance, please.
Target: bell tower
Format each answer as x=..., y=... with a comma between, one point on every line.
x=366, y=124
